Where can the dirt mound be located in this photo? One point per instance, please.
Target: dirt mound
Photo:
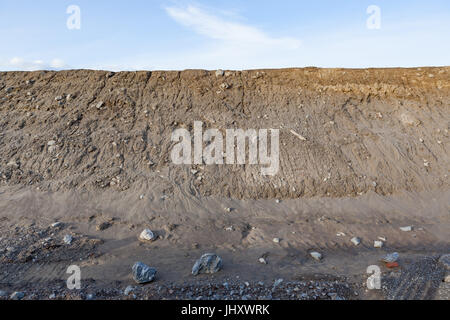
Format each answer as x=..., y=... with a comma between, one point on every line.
x=342, y=132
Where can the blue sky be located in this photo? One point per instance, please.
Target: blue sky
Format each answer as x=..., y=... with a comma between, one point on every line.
x=232, y=34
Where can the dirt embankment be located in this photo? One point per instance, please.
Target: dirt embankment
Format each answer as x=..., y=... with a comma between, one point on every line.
x=381, y=130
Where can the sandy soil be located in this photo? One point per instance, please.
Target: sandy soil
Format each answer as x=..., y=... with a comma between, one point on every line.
x=85, y=148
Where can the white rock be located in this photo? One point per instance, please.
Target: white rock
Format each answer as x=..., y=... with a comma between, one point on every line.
x=276, y=240
x=406, y=229
x=378, y=244
x=147, y=235
x=447, y=279
x=68, y=239
x=128, y=290
x=262, y=261
x=356, y=241
x=316, y=255
x=56, y=224
x=220, y=73
x=99, y=105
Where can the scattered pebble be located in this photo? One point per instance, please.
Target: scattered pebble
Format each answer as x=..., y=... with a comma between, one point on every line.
x=147, y=235
x=208, y=263
x=99, y=105
x=143, y=273
x=17, y=295
x=68, y=239
x=356, y=241
x=262, y=261
x=56, y=224
x=316, y=255
x=378, y=244
x=406, y=229
x=276, y=240
x=128, y=290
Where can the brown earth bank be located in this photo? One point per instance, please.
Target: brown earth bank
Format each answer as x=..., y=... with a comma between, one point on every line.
x=363, y=153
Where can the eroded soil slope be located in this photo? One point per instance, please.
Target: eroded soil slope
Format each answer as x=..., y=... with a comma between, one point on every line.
x=382, y=130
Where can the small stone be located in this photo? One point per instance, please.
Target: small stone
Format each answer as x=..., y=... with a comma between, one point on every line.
x=220, y=73
x=406, y=229
x=13, y=163
x=391, y=257
x=58, y=98
x=141, y=197
x=278, y=201
x=447, y=279
x=17, y=296
x=262, y=261
x=356, y=241
x=224, y=86
x=143, y=273
x=52, y=296
x=228, y=209
x=378, y=244
x=316, y=255
x=99, y=105
x=276, y=240
x=56, y=225
x=128, y=290
x=208, y=263
x=147, y=235
x=68, y=239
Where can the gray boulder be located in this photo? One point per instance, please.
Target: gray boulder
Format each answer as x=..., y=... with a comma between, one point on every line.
x=208, y=263
x=143, y=273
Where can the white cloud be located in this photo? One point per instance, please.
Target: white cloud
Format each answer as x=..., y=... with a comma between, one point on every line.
x=20, y=64
x=217, y=28
x=227, y=44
